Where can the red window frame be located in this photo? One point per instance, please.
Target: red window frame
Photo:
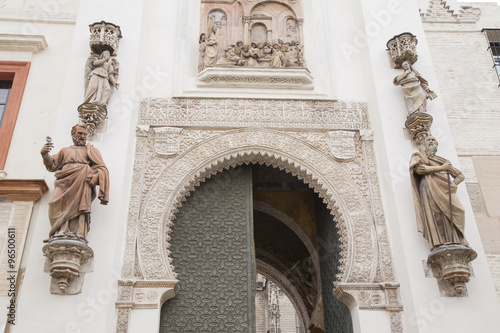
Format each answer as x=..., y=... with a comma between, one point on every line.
x=17, y=72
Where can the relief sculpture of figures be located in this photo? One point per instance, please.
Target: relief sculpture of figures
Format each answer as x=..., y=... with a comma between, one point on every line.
x=101, y=74
x=415, y=88
x=440, y=215
x=78, y=169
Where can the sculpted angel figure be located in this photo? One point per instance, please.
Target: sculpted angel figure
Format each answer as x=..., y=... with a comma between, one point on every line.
x=415, y=88
x=430, y=183
x=78, y=169
x=101, y=75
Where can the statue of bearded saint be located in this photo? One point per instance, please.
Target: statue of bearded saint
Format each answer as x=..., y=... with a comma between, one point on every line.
x=440, y=215
x=78, y=169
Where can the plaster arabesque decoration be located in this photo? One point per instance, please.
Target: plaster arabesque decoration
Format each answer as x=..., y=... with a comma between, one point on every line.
x=439, y=214
x=349, y=186
x=101, y=73
x=78, y=170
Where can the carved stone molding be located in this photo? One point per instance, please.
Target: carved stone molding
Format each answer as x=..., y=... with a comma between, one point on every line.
x=23, y=189
x=145, y=294
x=316, y=114
x=374, y=297
x=26, y=43
x=142, y=295
x=66, y=264
x=262, y=78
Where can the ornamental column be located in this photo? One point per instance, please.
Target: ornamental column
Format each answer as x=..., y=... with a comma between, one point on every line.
x=246, y=30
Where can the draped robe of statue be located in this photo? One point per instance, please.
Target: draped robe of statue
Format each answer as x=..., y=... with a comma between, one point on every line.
x=277, y=60
x=72, y=194
x=413, y=89
x=211, y=49
x=432, y=205
x=98, y=86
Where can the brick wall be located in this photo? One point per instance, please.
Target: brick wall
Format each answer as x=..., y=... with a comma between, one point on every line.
x=469, y=88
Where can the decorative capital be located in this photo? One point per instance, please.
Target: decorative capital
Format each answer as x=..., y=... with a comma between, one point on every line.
x=299, y=21
x=247, y=19
x=403, y=47
x=104, y=36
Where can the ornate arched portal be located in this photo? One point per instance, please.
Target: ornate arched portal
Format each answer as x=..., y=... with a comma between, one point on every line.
x=171, y=162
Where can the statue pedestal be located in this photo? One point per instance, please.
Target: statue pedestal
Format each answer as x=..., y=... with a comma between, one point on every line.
x=92, y=115
x=67, y=261
x=450, y=265
x=419, y=124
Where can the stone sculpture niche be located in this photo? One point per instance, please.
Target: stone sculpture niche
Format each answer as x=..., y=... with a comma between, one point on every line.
x=439, y=213
x=78, y=170
x=101, y=73
x=251, y=33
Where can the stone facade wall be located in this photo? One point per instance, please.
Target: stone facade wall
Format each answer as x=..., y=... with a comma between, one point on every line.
x=494, y=262
x=469, y=87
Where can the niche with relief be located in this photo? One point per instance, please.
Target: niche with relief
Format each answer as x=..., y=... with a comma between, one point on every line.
x=263, y=40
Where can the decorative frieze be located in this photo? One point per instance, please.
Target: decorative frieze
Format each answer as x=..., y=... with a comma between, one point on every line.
x=207, y=112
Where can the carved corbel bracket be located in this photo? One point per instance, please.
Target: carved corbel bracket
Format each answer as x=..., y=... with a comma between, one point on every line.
x=419, y=125
x=403, y=47
x=67, y=261
x=450, y=266
x=92, y=115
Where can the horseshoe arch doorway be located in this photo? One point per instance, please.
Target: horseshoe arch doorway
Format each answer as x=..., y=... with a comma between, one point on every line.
x=247, y=221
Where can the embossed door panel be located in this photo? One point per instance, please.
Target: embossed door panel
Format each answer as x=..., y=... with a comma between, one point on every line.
x=213, y=254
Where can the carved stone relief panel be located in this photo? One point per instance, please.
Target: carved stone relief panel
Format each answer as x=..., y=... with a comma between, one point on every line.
x=252, y=34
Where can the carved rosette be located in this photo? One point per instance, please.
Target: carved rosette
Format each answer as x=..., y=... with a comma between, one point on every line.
x=419, y=125
x=403, y=47
x=104, y=36
x=451, y=265
x=66, y=259
x=92, y=115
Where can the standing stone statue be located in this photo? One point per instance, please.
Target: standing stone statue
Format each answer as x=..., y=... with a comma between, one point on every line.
x=101, y=74
x=430, y=178
x=212, y=47
x=201, y=49
x=415, y=88
x=78, y=169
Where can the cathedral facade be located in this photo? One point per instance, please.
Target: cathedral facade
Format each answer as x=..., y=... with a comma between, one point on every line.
x=249, y=166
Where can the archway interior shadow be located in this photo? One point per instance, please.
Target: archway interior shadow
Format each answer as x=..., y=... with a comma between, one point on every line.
x=219, y=243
